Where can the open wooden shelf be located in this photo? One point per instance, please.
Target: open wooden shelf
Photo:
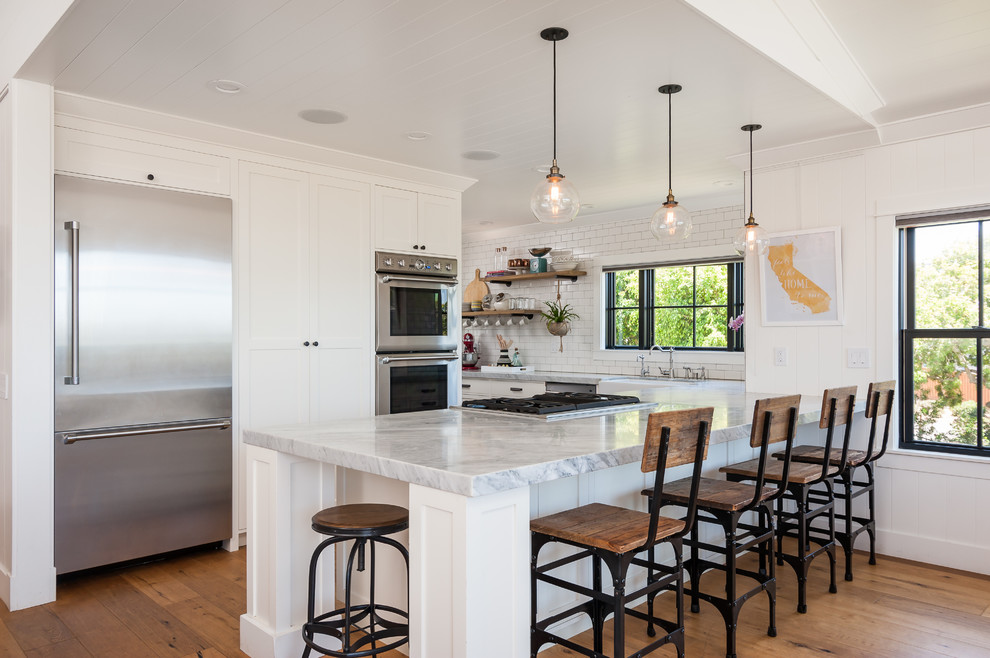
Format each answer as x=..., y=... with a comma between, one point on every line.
x=473, y=314
x=570, y=275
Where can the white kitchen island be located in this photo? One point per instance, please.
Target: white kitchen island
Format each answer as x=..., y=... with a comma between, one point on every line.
x=474, y=480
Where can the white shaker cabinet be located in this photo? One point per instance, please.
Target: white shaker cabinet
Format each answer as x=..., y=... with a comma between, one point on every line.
x=306, y=314
x=135, y=161
x=416, y=222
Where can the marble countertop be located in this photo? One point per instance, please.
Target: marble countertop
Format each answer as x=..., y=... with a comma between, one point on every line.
x=477, y=454
x=541, y=376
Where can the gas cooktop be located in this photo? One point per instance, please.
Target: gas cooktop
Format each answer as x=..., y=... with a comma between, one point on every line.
x=559, y=406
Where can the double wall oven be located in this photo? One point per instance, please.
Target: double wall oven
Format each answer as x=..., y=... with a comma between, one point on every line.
x=416, y=318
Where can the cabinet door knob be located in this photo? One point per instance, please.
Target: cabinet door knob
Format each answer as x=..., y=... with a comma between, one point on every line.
x=151, y=177
x=515, y=390
x=423, y=247
x=306, y=344
x=415, y=246
x=316, y=343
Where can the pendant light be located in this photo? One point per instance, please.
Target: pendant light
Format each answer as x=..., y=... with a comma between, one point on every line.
x=671, y=221
x=555, y=200
x=751, y=238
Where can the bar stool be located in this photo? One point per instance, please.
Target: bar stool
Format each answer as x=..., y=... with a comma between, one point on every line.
x=810, y=502
x=367, y=524
x=723, y=503
x=879, y=403
x=616, y=535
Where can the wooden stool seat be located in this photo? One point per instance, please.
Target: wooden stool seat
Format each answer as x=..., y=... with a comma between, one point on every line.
x=712, y=494
x=799, y=473
x=815, y=454
x=361, y=520
x=612, y=528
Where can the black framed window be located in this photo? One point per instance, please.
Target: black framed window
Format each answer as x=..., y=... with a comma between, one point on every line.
x=687, y=306
x=944, y=337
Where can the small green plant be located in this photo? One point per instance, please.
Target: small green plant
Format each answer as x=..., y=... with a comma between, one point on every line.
x=558, y=312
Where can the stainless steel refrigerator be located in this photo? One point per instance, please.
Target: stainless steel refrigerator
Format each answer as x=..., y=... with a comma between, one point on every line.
x=143, y=318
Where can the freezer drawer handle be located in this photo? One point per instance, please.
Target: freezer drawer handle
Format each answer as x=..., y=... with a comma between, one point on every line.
x=69, y=438
x=73, y=378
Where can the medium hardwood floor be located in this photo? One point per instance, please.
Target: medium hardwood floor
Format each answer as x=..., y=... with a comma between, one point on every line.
x=189, y=607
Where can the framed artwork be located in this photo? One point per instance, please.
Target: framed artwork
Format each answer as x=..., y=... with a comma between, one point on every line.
x=801, y=278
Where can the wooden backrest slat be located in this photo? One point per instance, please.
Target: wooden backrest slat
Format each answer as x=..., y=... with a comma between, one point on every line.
x=886, y=401
x=781, y=415
x=844, y=396
x=683, y=424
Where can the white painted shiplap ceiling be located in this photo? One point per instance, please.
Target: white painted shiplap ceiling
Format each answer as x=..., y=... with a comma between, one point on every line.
x=475, y=75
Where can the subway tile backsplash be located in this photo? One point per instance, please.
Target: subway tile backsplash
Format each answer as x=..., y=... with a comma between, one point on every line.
x=538, y=349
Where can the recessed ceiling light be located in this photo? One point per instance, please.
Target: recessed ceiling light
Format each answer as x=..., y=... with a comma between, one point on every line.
x=227, y=86
x=724, y=183
x=587, y=206
x=487, y=222
x=480, y=154
x=323, y=116
x=542, y=169
x=418, y=135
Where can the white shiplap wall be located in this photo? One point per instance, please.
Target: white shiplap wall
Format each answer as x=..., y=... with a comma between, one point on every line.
x=590, y=242
x=930, y=508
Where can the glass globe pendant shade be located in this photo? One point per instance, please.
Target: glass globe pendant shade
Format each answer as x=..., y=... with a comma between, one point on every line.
x=751, y=238
x=555, y=200
x=671, y=221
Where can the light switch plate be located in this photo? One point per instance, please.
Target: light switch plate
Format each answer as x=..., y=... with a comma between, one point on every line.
x=858, y=357
x=3, y=386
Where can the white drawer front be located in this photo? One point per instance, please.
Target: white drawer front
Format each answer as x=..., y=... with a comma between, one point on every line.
x=516, y=389
x=475, y=389
x=122, y=159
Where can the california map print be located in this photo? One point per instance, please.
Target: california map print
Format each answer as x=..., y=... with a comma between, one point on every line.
x=799, y=278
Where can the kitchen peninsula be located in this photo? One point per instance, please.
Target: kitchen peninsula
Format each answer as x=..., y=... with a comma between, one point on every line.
x=474, y=480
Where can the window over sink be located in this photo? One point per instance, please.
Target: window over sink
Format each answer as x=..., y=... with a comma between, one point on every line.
x=684, y=305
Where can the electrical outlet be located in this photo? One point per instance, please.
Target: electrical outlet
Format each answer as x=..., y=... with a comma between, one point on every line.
x=858, y=357
x=780, y=356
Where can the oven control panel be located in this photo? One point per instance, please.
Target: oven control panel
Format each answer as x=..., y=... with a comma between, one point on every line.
x=391, y=263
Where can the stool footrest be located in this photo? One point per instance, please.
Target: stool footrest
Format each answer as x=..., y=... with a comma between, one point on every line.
x=332, y=623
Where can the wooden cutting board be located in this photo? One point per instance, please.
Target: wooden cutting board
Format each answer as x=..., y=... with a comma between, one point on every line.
x=477, y=289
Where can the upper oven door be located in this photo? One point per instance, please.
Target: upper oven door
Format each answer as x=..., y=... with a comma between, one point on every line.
x=414, y=313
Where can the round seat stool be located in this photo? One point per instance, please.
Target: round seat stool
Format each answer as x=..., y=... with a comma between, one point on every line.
x=361, y=628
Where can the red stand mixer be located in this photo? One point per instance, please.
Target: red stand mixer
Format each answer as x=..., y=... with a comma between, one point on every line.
x=469, y=358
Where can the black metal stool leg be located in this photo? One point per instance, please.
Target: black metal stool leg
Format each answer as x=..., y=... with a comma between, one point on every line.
x=871, y=527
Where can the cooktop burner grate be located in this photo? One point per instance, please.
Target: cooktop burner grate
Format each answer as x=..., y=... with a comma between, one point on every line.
x=550, y=403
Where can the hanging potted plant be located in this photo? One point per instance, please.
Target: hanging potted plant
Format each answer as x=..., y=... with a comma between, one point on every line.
x=558, y=317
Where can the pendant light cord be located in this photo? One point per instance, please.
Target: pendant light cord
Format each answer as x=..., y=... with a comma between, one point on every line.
x=555, y=101
x=670, y=146
x=750, y=173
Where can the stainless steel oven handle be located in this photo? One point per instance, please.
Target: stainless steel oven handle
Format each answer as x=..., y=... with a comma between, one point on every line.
x=419, y=279
x=435, y=357
x=73, y=378
x=71, y=437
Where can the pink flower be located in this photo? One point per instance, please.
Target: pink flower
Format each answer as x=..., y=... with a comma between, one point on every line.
x=736, y=323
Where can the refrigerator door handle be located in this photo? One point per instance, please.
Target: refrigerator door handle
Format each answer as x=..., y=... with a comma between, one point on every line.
x=69, y=438
x=73, y=378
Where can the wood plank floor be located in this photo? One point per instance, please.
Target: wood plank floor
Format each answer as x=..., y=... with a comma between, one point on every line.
x=188, y=607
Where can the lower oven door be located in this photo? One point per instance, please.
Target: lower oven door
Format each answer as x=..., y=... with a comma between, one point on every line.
x=415, y=382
